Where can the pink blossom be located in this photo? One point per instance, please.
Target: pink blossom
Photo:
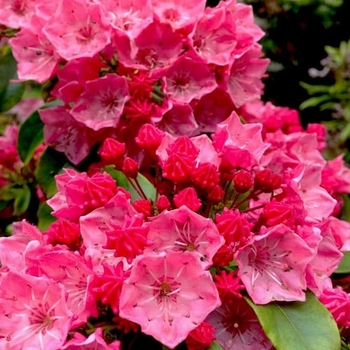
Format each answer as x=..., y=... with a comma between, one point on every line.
x=65, y=134
x=339, y=230
x=129, y=16
x=237, y=326
x=78, y=29
x=116, y=225
x=35, y=55
x=178, y=13
x=102, y=102
x=214, y=38
x=240, y=145
x=337, y=302
x=17, y=13
x=95, y=341
x=183, y=230
x=244, y=79
x=34, y=313
x=79, y=194
x=169, y=295
x=273, y=266
x=188, y=78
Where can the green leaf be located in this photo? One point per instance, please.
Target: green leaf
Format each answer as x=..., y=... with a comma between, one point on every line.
x=298, y=325
x=314, y=101
x=122, y=181
x=44, y=216
x=31, y=135
x=50, y=164
x=344, y=266
x=215, y=346
x=11, y=95
x=22, y=200
x=8, y=68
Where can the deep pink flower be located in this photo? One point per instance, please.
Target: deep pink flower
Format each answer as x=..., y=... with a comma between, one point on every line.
x=201, y=337
x=33, y=313
x=79, y=194
x=188, y=78
x=273, y=266
x=183, y=230
x=65, y=134
x=169, y=295
x=189, y=198
x=228, y=285
x=237, y=326
x=338, y=303
x=78, y=29
x=102, y=102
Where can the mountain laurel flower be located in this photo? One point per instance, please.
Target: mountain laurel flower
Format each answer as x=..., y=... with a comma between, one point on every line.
x=168, y=295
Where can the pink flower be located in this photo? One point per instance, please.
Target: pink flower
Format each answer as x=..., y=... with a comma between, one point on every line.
x=183, y=230
x=116, y=225
x=188, y=78
x=178, y=13
x=36, y=57
x=237, y=326
x=244, y=79
x=78, y=29
x=201, y=337
x=79, y=194
x=94, y=341
x=338, y=303
x=273, y=266
x=240, y=145
x=102, y=102
x=168, y=295
x=17, y=13
x=34, y=313
x=65, y=134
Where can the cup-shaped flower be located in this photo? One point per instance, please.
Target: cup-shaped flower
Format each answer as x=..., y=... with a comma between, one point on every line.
x=273, y=267
x=168, y=294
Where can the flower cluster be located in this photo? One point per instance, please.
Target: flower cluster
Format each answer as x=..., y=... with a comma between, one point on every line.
x=195, y=197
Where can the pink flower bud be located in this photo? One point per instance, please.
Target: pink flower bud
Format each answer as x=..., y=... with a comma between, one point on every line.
x=188, y=197
x=162, y=203
x=243, y=181
x=130, y=168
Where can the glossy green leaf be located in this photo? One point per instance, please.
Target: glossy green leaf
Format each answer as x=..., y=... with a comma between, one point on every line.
x=22, y=200
x=11, y=95
x=31, y=135
x=50, y=164
x=44, y=217
x=344, y=266
x=298, y=325
x=148, y=189
x=8, y=67
x=215, y=346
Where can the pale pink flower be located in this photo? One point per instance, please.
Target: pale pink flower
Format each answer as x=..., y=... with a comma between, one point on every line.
x=78, y=29
x=237, y=326
x=102, y=102
x=339, y=230
x=35, y=55
x=184, y=230
x=17, y=13
x=129, y=16
x=188, y=78
x=168, y=295
x=318, y=203
x=273, y=266
x=34, y=313
x=178, y=13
